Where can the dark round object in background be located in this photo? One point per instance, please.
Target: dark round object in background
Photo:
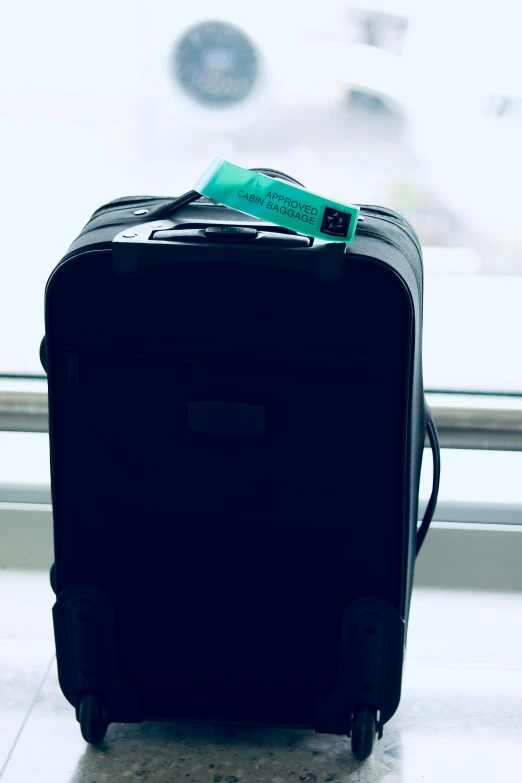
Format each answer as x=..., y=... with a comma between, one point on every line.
x=43, y=354
x=216, y=64
x=52, y=577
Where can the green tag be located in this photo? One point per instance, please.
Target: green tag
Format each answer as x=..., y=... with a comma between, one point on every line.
x=278, y=202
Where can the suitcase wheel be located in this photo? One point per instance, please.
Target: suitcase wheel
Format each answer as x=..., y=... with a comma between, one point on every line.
x=93, y=719
x=364, y=727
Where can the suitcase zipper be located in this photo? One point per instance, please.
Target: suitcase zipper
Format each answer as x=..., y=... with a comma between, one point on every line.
x=397, y=220
x=193, y=357
x=368, y=232
x=145, y=201
x=125, y=203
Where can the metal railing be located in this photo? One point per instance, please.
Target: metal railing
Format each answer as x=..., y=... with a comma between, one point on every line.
x=463, y=421
x=24, y=411
x=496, y=429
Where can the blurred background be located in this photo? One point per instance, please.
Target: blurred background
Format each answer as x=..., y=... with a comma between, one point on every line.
x=413, y=105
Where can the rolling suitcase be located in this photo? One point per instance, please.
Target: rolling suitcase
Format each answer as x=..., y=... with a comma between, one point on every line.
x=237, y=422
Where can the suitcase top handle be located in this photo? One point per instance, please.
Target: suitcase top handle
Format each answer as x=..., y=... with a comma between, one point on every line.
x=194, y=195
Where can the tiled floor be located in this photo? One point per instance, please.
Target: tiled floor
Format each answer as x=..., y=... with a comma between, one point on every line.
x=459, y=721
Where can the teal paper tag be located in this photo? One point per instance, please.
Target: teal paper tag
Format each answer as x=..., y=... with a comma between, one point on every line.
x=278, y=202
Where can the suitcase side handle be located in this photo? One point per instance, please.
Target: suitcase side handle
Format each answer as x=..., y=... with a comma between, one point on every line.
x=435, y=451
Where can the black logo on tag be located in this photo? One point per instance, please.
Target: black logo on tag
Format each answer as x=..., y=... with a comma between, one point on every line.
x=335, y=222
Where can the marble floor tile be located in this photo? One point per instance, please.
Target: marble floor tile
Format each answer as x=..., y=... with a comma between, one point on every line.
x=26, y=602
x=23, y=666
x=454, y=725
x=466, y=626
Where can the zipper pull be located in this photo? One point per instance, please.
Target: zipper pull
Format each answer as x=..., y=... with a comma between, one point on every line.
x=73, y=365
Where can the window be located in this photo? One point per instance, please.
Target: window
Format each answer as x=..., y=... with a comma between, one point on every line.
x=385, y=103
x=391, y=103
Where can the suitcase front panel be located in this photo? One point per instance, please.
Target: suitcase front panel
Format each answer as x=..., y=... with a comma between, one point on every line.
x=228, y=454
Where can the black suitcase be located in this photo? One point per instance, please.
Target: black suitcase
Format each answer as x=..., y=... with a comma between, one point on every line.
x=237, y=422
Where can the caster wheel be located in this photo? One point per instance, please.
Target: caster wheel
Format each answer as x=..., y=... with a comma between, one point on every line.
x=364, y=727
x=93, y=719
x=52, y=577
x=43, y=354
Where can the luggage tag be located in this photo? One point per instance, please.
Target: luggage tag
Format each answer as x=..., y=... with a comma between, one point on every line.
x=278, y=202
